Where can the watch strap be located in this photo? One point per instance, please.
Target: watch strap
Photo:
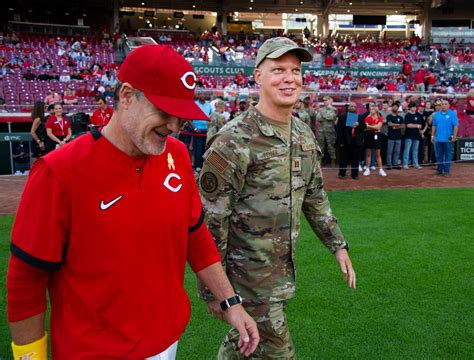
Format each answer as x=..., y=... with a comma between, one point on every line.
x=227, y=303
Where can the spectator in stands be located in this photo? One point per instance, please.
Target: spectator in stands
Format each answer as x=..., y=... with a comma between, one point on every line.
x=58, y=129
x=430, y=80
x=444, y=135
x=470, y=102
x=395, y=123
x=29, y=76
x=38, y=130
x=69, y=97
x=240, y=79
x=372, y=89
x=75, y=75
x=401, y=86
x=406, y=68
x=350, y=138
x=107, y=79
x=82, y=90
x=109, y=92
x=44, y=76
x=52, y=98
x=21, y=157
x=47, y=64
x=65, y=77
x=103, y=114
x=414, y=124
x=54, y=76
x=374, y=124
x=98, y=89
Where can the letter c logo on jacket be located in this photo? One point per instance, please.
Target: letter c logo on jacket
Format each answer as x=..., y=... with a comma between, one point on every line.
x=167, y=184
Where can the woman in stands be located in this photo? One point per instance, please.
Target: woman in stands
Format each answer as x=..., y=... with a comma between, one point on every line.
x=38, y=130
x=58, y=129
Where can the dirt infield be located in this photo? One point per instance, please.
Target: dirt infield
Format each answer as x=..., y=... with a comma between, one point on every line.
x=11, y=187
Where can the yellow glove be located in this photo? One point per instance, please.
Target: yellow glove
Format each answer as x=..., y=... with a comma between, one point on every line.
x=34, y=351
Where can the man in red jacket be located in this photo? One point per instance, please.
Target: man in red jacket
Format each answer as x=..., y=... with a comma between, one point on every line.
x=103, y=114
x=123, y=216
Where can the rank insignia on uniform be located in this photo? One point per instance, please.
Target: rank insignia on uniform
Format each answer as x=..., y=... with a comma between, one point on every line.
x=217, y=161
x=296, y=164
x=208, y=182
x=170, y=162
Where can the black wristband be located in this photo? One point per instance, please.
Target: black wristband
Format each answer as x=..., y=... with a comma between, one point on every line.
x=227, y=303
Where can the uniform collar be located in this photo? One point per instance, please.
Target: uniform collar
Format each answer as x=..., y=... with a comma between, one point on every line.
x=264, y=127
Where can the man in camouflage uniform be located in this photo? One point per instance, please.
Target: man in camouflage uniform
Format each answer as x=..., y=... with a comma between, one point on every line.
x=217, y=119
x=327, y=117
x=260, y=172
x=312, y=113
x=301, y=112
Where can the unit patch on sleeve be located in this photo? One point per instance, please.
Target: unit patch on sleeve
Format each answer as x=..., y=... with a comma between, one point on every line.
x=208, y=182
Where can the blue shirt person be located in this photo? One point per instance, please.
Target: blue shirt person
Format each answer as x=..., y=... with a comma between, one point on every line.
x=444, y=134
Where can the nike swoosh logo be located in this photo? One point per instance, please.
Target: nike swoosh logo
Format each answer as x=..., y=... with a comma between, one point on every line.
x=105, y=206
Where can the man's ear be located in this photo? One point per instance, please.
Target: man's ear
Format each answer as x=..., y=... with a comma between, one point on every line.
x=126, y=94
x=257, y=75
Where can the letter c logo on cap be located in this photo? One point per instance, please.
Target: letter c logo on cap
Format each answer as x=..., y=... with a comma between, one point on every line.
x=184, y=80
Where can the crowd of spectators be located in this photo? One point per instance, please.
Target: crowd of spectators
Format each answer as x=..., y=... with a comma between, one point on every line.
x=71, y=70
x=422, y=80
x=340, y=50
x=78, y=69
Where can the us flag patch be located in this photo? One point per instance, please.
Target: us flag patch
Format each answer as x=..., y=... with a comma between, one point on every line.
x=217, y=161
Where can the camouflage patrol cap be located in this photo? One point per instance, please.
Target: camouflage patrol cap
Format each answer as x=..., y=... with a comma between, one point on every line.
x=327, y=97
x=278, y=46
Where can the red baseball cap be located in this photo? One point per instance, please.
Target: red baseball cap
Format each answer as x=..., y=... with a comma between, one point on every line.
x=165, y=77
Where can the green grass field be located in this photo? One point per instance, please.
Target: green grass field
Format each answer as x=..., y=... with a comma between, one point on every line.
x=413, y=252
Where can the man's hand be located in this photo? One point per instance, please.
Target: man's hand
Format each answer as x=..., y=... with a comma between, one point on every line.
x=345, y=263
x=245, y=325
x=239, y=319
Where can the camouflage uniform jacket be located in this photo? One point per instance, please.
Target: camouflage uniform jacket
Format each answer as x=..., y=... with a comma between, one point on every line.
x=217, y=121
x=327, y=116
x=312, y=115
x=304, y=116
x=254, y=185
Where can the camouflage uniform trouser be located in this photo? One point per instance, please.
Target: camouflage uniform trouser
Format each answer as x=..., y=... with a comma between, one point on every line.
x=275, y=339
x=328, y=137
